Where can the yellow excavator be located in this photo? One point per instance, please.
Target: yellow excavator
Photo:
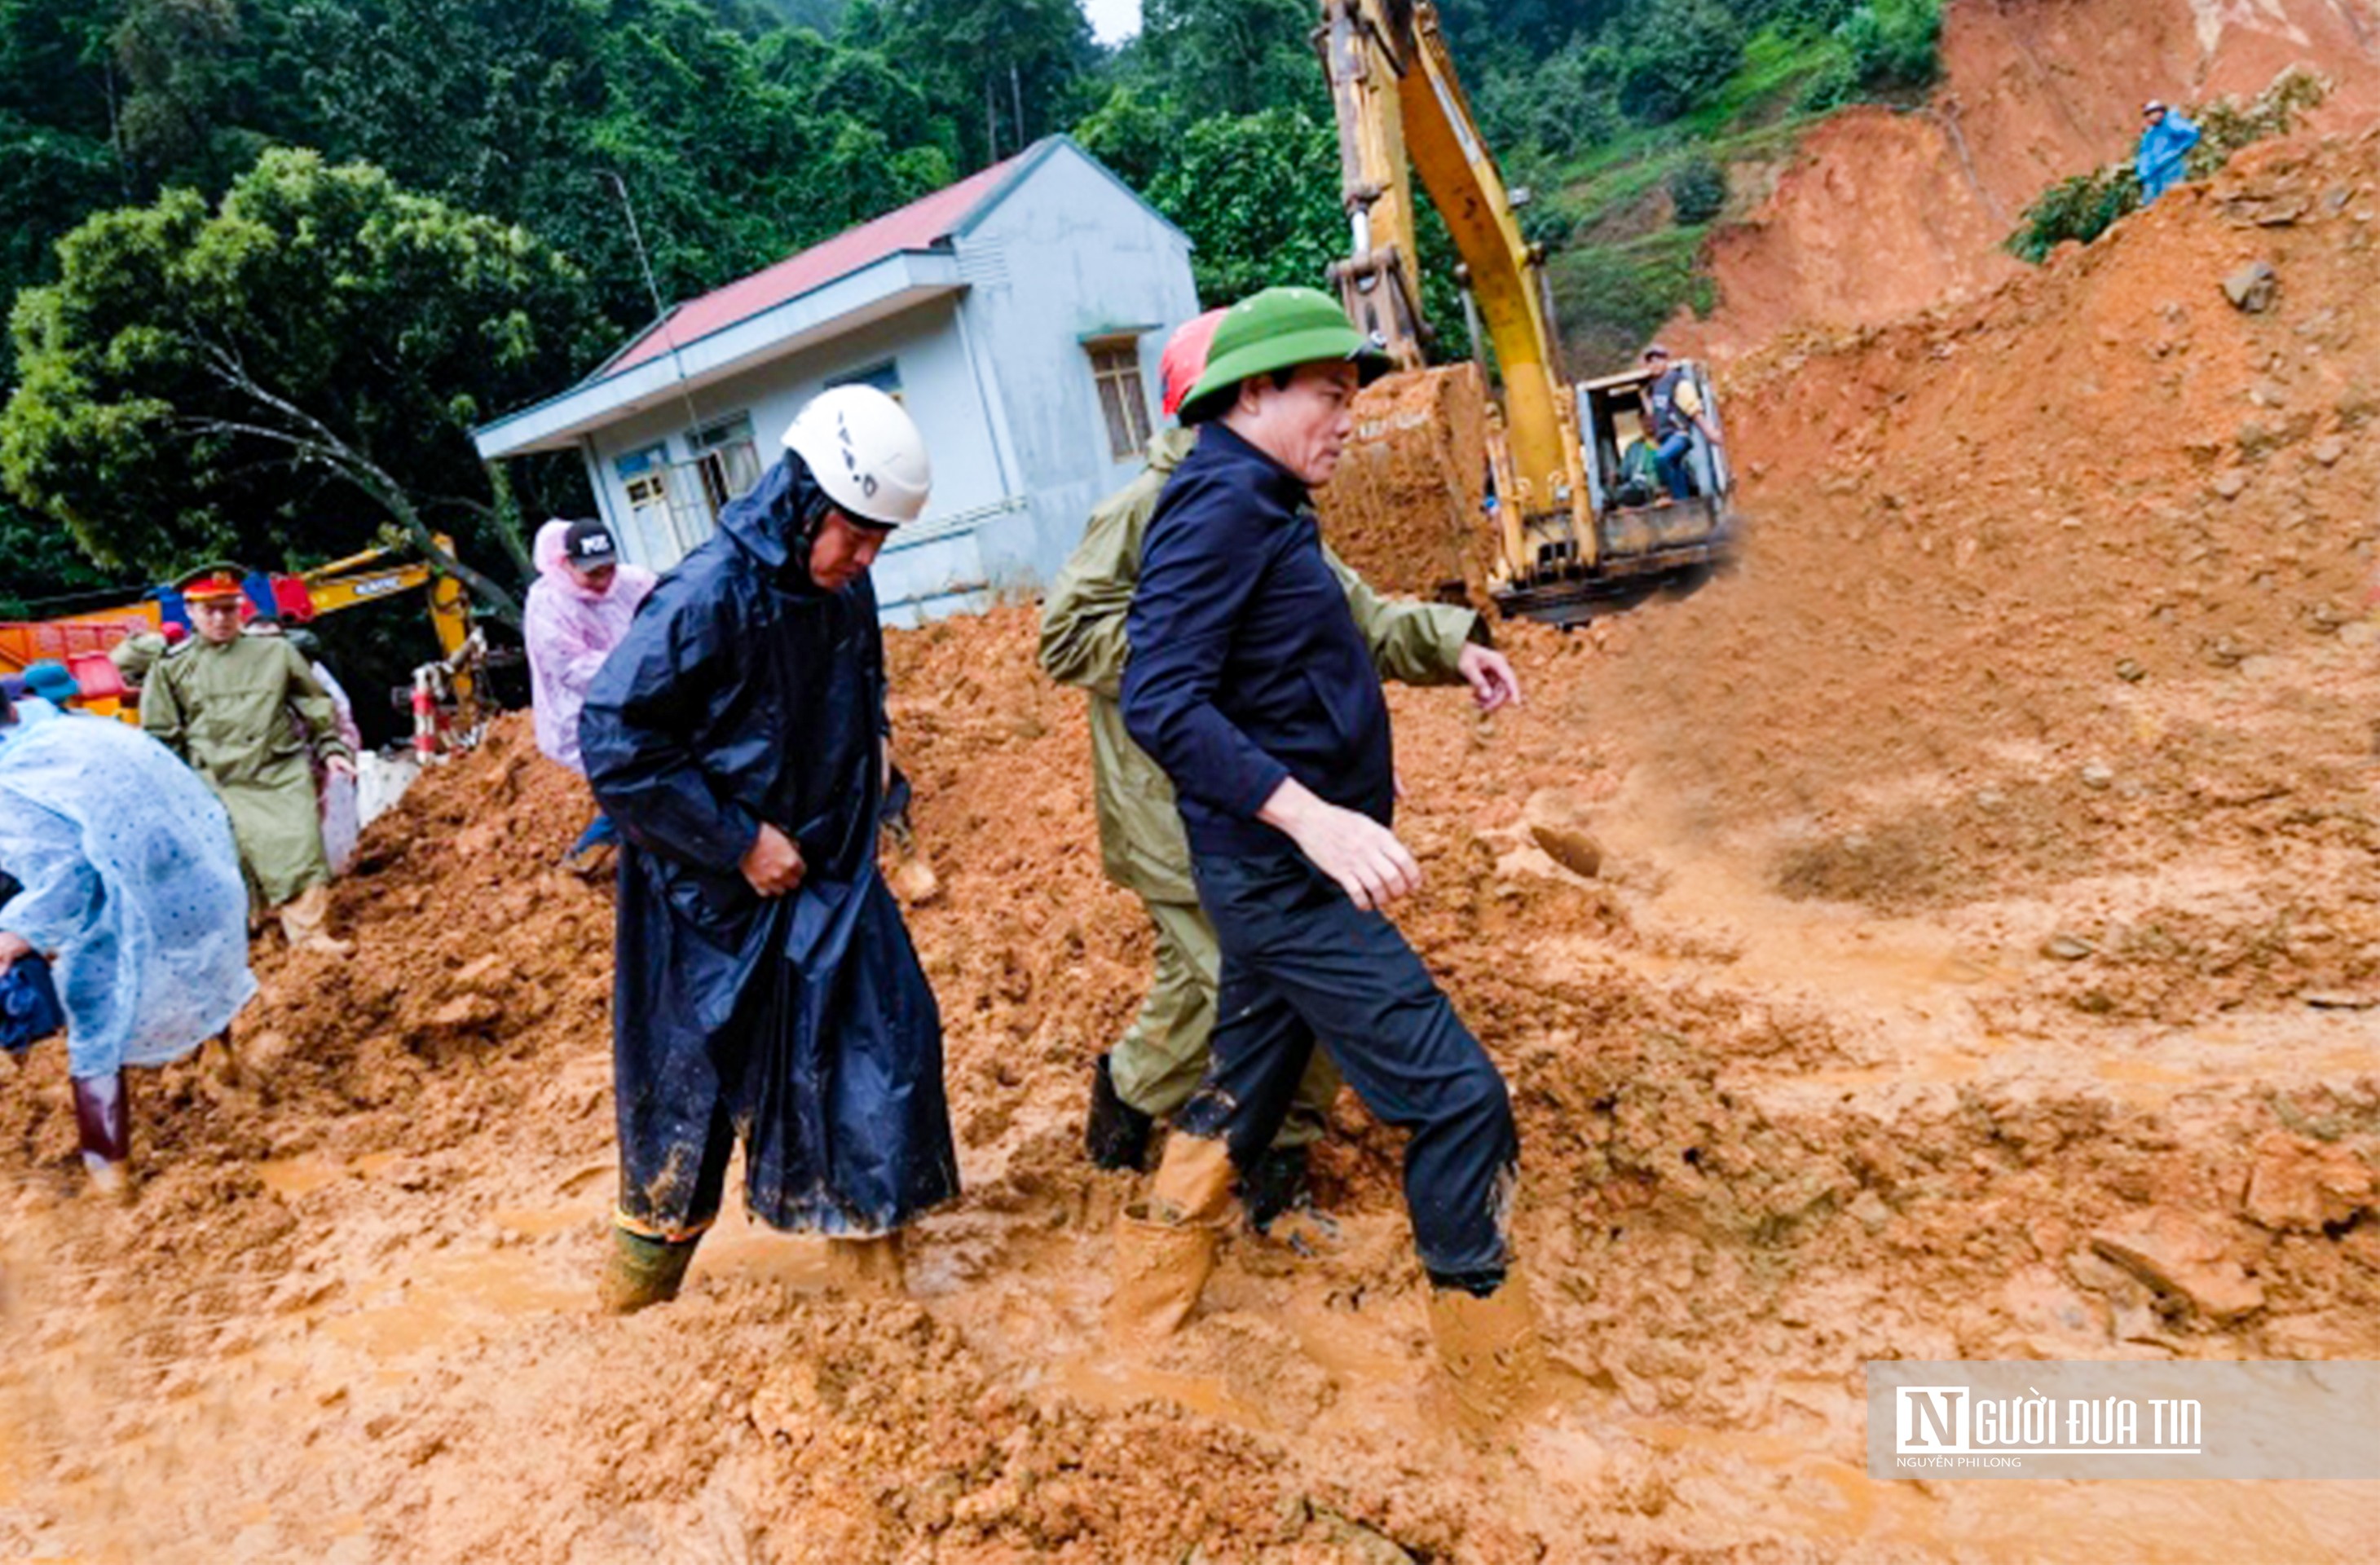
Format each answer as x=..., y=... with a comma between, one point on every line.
x=82, y=641
x=1567, y=536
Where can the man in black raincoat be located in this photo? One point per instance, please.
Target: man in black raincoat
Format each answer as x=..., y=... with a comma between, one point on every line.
x=767, y=990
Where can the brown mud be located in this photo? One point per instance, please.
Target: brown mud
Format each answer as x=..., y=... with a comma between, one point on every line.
x=1981, y=959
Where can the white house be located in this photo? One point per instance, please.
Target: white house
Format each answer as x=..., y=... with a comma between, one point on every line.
x=1017, y=314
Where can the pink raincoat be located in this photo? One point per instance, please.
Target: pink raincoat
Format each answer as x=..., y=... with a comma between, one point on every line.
x=569, y=631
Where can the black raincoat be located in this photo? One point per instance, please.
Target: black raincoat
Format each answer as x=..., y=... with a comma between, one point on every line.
x=801, y=1025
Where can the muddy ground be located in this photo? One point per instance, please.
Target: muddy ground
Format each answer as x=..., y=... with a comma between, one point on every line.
x=1981, y=958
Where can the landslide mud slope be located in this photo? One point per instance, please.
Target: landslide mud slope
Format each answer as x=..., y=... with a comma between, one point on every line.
x=1983, y=960
x=1882, y=213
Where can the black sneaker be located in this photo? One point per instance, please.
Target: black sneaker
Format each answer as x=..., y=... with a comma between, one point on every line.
x=1114, y=1133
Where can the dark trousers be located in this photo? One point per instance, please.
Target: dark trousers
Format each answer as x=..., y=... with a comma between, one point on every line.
x=1302, y=963
x=1670, y=454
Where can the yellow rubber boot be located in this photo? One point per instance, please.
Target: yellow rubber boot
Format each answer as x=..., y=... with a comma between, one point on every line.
x=1165, y=1247
x=306, y=922
x=1490, y=1359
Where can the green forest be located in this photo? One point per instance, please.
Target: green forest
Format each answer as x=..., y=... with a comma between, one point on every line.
x=271, y=259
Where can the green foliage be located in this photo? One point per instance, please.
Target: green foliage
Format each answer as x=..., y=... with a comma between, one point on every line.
x=38, y=560
x=2226, y=125
x=2079, y=209
x=1833, y=84
x=277, y=377
x=1894, y=45
x=1699, y=189
x=1611, y=299
x=1259, y=196
x=1568, y=102
x=993, y=74
x=1232, y=57
x=1682, y=51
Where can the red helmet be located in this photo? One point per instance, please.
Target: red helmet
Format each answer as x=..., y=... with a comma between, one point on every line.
x=1184, y=359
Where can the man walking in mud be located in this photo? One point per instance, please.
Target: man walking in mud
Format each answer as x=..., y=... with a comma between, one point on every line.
x=1158, y=1061
x=766, y=987
x=247, y=715
x=1252, y=686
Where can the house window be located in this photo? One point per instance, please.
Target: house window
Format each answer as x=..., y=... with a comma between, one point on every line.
x=1116, y=365
x=726, y=463
x=661, y=507
x=645, y=475
x=884, y=377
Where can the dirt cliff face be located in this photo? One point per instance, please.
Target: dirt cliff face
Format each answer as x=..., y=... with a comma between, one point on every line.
x=1880, y=214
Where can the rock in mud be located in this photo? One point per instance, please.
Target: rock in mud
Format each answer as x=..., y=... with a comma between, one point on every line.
x=2065, y=947
x=1558, y=822
x=2252, y=287
x=2176, y=1254
x=2301, y=1188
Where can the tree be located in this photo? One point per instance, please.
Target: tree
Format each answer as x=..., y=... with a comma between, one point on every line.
x=1680, y=53
x=1699, y=189
x=244, y=380
x=1235, y=56
x=997, y=73
x=1258, y=195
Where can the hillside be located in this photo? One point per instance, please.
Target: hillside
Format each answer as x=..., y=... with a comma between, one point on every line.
x=1875, y=212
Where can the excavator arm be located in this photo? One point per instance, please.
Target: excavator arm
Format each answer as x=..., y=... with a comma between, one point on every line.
x=1402, y=110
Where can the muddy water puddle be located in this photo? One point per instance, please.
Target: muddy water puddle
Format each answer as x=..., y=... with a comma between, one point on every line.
x=294, y=1179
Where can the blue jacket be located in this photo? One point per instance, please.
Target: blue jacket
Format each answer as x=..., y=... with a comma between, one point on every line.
x=741, y=694
x=2164, y=147
x=1247, y=666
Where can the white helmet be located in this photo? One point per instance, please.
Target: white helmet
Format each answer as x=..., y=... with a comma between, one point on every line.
x=866, y=452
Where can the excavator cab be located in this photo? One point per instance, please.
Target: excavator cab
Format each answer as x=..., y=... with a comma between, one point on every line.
x=1667, y=531
x=1642, y=536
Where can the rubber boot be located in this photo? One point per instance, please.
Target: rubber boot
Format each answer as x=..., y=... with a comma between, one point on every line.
x=867, y=1269
x=1114, y=1133
x=103, y=1125
x=1165, y=1247
x=305, y=921
x=1489, y=1353
x=643, y=1271
x=1277, y=1184
x=1161, y=1269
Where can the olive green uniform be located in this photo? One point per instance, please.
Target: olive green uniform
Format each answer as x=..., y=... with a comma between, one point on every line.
x=249, y=717
x=1158, y=1061
x=136, y=655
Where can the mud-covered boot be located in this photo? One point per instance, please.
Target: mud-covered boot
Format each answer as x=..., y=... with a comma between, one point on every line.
x=306, y=922
x=1165, y=1246
x=1161, y=1269
x=643, y=1271
x=1114, y=1133
x=103, y=1126
x=867, y=1269
x=1489, y=1356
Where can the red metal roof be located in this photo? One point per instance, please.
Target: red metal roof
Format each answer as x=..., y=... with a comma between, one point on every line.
x=916, y=227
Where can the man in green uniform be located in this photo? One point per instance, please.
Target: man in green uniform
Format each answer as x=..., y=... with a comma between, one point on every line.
x=246, y=713
x=1157, y=1063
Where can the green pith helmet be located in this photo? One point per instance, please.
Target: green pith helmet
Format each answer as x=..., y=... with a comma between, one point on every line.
x=1278, y=329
